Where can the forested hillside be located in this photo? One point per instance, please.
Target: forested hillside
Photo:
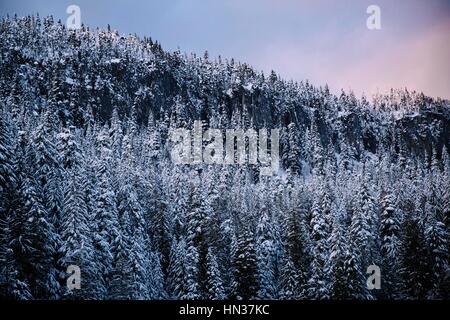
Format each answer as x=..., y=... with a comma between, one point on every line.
x=86, y=178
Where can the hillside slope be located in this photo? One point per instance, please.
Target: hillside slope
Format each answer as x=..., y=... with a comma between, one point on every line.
x=86, y=178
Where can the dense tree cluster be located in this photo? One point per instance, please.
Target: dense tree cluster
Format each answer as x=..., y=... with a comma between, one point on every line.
x=86, y=178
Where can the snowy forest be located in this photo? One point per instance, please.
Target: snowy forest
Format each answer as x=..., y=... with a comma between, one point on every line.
x=86, y=178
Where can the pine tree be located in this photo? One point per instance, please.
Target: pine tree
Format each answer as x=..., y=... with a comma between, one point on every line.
x=318, y=282
x=191, y=261
x=291, y=281
x=437, y=239
x=155, y=280
x=292, y=158
x=43, y=154
x=133, y=227
x=266, y=256
x=56, y=96
x=176, y=271
x=7, y=174
x=15, y=242
x=362, y=228
x=159, y=222
x=245, y=284
x=30, y=236
x=339, y=252
x=215, y=290
x=105, y=216
x=76, y=233
x=76, y=116
x=297, y=245
x=414, y=262
x=120, y=278
x=317, y=150
x=9, y=284
x=196, y=233
x=390, y=244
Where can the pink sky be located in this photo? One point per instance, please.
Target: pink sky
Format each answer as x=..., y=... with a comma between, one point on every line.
x=420, y=62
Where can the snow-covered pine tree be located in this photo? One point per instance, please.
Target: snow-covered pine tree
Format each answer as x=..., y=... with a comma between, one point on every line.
x=339, y=256
x=414, y=262
x=13, y=283
x=197, y=231
x=155, y=280
x=45, y=160
x=290, y=281
x=437, y=239
x=266, y=257
x=133, y=228
x=107, y=235
x=176, y=272
x=214, y=284
x=389, y=243
x=362, y=228
x=319, y=286
x=316, y=149
x=191, y=281
x=295, y=261
x=245, y=271
x=291, y=158
x=76, y=233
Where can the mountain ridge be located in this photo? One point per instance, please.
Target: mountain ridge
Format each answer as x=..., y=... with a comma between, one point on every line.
x=86, y=179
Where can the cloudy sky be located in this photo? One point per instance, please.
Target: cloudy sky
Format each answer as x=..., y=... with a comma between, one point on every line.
x=325, y=41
